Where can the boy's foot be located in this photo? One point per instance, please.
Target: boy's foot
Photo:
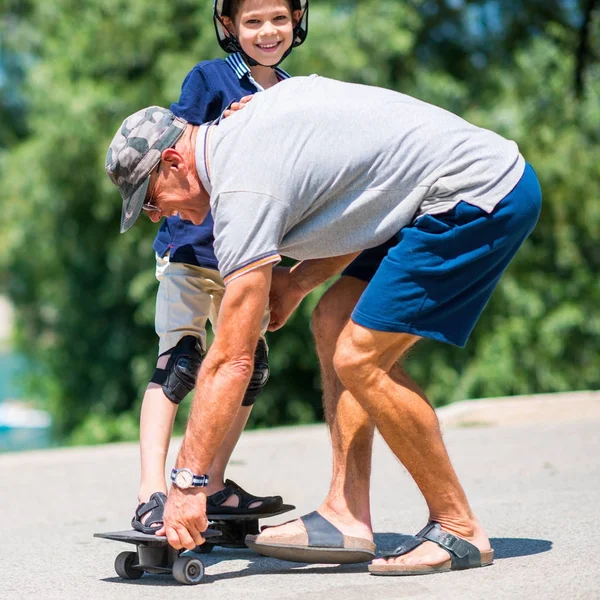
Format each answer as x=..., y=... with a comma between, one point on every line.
x=148, y=516
x=234, y=500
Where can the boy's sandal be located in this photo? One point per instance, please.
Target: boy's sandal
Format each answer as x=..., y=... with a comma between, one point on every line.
x=214, y=502
x=463, y=554
x=154, y=508
x=322, y=542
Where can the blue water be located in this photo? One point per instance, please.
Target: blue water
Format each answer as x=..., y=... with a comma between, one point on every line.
x=17, y=438
x=11, y=365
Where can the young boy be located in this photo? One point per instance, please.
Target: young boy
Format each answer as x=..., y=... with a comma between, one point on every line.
x=258, y=34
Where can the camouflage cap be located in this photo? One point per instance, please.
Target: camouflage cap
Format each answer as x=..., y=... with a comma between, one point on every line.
x=135, y=152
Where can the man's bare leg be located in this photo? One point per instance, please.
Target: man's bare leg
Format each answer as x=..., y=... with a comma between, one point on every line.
x=409, y=425
x=347, y=503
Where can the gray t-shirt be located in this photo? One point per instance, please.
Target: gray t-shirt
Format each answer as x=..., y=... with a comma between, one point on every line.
x=314, y=168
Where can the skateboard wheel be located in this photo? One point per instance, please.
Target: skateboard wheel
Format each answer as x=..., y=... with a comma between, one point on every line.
x=188, y=570
x=126, y=566
x=204, y=549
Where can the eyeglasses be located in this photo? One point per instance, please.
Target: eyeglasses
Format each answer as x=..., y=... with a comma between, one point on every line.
x=148, y=206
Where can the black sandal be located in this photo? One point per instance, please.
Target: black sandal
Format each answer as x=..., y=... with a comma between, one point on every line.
x=214, y=502
x=462, y=554
x=323, y=543
x=156, y=507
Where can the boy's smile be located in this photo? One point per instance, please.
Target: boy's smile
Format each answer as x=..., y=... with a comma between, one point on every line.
x=269, y=47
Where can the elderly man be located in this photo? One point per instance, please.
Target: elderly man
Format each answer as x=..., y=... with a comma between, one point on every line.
x=327, y=173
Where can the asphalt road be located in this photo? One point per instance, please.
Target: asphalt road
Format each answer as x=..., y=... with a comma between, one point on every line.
x=530, y=468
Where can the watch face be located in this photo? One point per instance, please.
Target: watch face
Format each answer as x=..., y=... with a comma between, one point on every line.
x=183, y=479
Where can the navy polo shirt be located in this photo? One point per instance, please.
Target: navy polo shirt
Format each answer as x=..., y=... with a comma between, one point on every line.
x=209, y=88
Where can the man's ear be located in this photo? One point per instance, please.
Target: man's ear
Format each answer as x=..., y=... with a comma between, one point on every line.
x=228, y=25
x=174, y=159
x=296, y=15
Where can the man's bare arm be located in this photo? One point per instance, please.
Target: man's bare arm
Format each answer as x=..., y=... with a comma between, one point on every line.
x=309, y=274
x=222, y=382
x=226, y=370
x=290, y=286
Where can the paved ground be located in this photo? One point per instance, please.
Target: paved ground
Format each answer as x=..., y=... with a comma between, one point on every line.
x=530, y=467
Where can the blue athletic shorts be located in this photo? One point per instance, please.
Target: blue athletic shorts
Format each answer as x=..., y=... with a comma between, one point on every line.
x=363, y=267
x=438, y=277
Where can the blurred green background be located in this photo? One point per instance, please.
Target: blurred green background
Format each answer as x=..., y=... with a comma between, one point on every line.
x=83, y=295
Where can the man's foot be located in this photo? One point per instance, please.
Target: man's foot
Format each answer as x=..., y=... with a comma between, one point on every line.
x=148, y=517
x=233, y=499
x=436, y=549
x=315, y=538
x=346, y=523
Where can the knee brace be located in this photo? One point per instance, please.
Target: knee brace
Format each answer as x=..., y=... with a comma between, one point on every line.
x=260, y=375
x=178, y=378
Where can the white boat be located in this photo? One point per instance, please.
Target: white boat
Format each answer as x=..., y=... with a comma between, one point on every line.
x=16, y=415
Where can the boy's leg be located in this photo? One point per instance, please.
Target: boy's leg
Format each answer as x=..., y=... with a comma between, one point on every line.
x=156, y=425
x=182, y=308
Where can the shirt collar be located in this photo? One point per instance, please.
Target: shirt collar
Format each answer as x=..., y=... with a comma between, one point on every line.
x=203, y=155
x=241, y=69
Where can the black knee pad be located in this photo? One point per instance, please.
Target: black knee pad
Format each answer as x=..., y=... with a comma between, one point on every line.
x=260, y=376
x=178, y=378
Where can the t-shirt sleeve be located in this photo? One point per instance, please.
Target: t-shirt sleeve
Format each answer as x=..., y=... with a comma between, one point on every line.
x=248, y=230
x=199, y=102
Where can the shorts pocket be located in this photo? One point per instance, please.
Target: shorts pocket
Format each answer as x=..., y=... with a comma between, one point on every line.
x=432, y=224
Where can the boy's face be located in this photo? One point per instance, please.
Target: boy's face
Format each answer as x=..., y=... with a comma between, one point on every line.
x=264, y=29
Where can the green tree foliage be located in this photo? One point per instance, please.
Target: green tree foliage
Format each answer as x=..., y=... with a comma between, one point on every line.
x=540, y=330
x=12, y=65
x=85, y=294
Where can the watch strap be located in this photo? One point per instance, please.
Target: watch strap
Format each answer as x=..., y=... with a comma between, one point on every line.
x=200, y=480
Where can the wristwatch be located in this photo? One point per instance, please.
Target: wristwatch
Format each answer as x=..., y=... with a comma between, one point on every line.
x=185, y=478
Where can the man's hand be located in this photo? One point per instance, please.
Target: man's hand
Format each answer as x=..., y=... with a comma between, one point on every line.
x=235, y=106
x=290, y=285
x=284, y=297
x=185, y=518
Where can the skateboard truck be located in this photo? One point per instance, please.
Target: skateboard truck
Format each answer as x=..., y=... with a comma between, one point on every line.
x=154, y=555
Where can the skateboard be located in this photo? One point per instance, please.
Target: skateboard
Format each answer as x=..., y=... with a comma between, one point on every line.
x=235, y=528
x=154, y=555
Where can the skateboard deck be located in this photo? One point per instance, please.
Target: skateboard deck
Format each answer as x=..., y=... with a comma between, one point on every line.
x=154, y=555
x=235, y=528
